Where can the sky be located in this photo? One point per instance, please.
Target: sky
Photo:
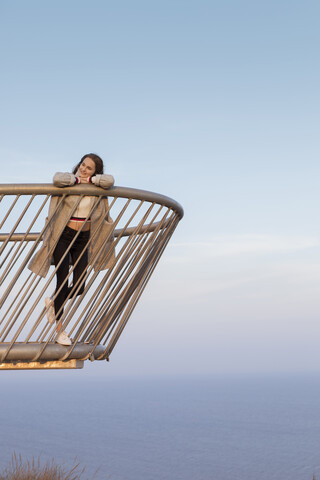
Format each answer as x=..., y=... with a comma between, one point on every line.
x=215, y=104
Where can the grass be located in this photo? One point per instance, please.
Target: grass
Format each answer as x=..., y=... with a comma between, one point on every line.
x=33, y=470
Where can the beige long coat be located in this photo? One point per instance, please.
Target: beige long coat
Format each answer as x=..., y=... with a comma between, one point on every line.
x=101, y=252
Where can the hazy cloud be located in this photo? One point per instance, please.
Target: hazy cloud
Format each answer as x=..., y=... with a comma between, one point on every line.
x=232, y=245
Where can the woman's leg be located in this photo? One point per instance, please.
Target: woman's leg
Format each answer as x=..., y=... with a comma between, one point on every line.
x=62, y=271
x=79, y=253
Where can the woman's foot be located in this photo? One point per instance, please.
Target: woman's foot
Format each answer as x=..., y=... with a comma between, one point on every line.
x=50, y=309
x=63, y=339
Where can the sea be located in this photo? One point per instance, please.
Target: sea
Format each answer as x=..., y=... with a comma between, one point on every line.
x=244, y=427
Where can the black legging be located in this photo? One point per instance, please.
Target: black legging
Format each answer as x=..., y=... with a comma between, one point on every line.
x=75, y=251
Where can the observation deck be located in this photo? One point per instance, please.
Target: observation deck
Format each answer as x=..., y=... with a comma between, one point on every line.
x=143, y=225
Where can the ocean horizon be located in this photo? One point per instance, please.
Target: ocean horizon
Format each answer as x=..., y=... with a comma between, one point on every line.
x=179, y=428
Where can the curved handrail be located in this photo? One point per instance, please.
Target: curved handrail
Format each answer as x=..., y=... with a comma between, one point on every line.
x=122, y=192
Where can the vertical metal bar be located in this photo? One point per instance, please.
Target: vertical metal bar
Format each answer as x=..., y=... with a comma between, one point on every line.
x=16, y=257
x=70, y=310
x=8, y=212
x=139, y=291
x=23, y=323
x=23, y=265
x=124, y=294
x=64, y=321
x=121, y=261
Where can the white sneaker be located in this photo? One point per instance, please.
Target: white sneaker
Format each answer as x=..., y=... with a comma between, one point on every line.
x=63, y=339
x=50, y=310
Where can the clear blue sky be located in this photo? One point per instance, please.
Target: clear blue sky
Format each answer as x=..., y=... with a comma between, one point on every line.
x=214, y=103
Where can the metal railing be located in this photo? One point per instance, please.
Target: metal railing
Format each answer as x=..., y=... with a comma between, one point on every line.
x=143, y=224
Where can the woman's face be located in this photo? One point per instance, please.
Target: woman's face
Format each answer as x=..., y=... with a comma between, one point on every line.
x=86, y=169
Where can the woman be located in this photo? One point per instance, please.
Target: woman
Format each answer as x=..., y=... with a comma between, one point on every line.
x=71, y=221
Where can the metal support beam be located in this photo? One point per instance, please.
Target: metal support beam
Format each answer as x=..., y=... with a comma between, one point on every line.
x=70, y=364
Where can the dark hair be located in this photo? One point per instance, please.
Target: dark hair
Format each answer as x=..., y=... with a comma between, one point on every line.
x=96, y=159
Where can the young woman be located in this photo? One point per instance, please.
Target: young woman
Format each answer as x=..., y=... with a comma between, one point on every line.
x=69, y=225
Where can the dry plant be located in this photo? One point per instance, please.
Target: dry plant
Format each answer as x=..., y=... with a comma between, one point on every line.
x=33, y=470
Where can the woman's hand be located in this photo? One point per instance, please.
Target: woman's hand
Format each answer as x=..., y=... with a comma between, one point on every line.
x=84, y=179
x=103, y=180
